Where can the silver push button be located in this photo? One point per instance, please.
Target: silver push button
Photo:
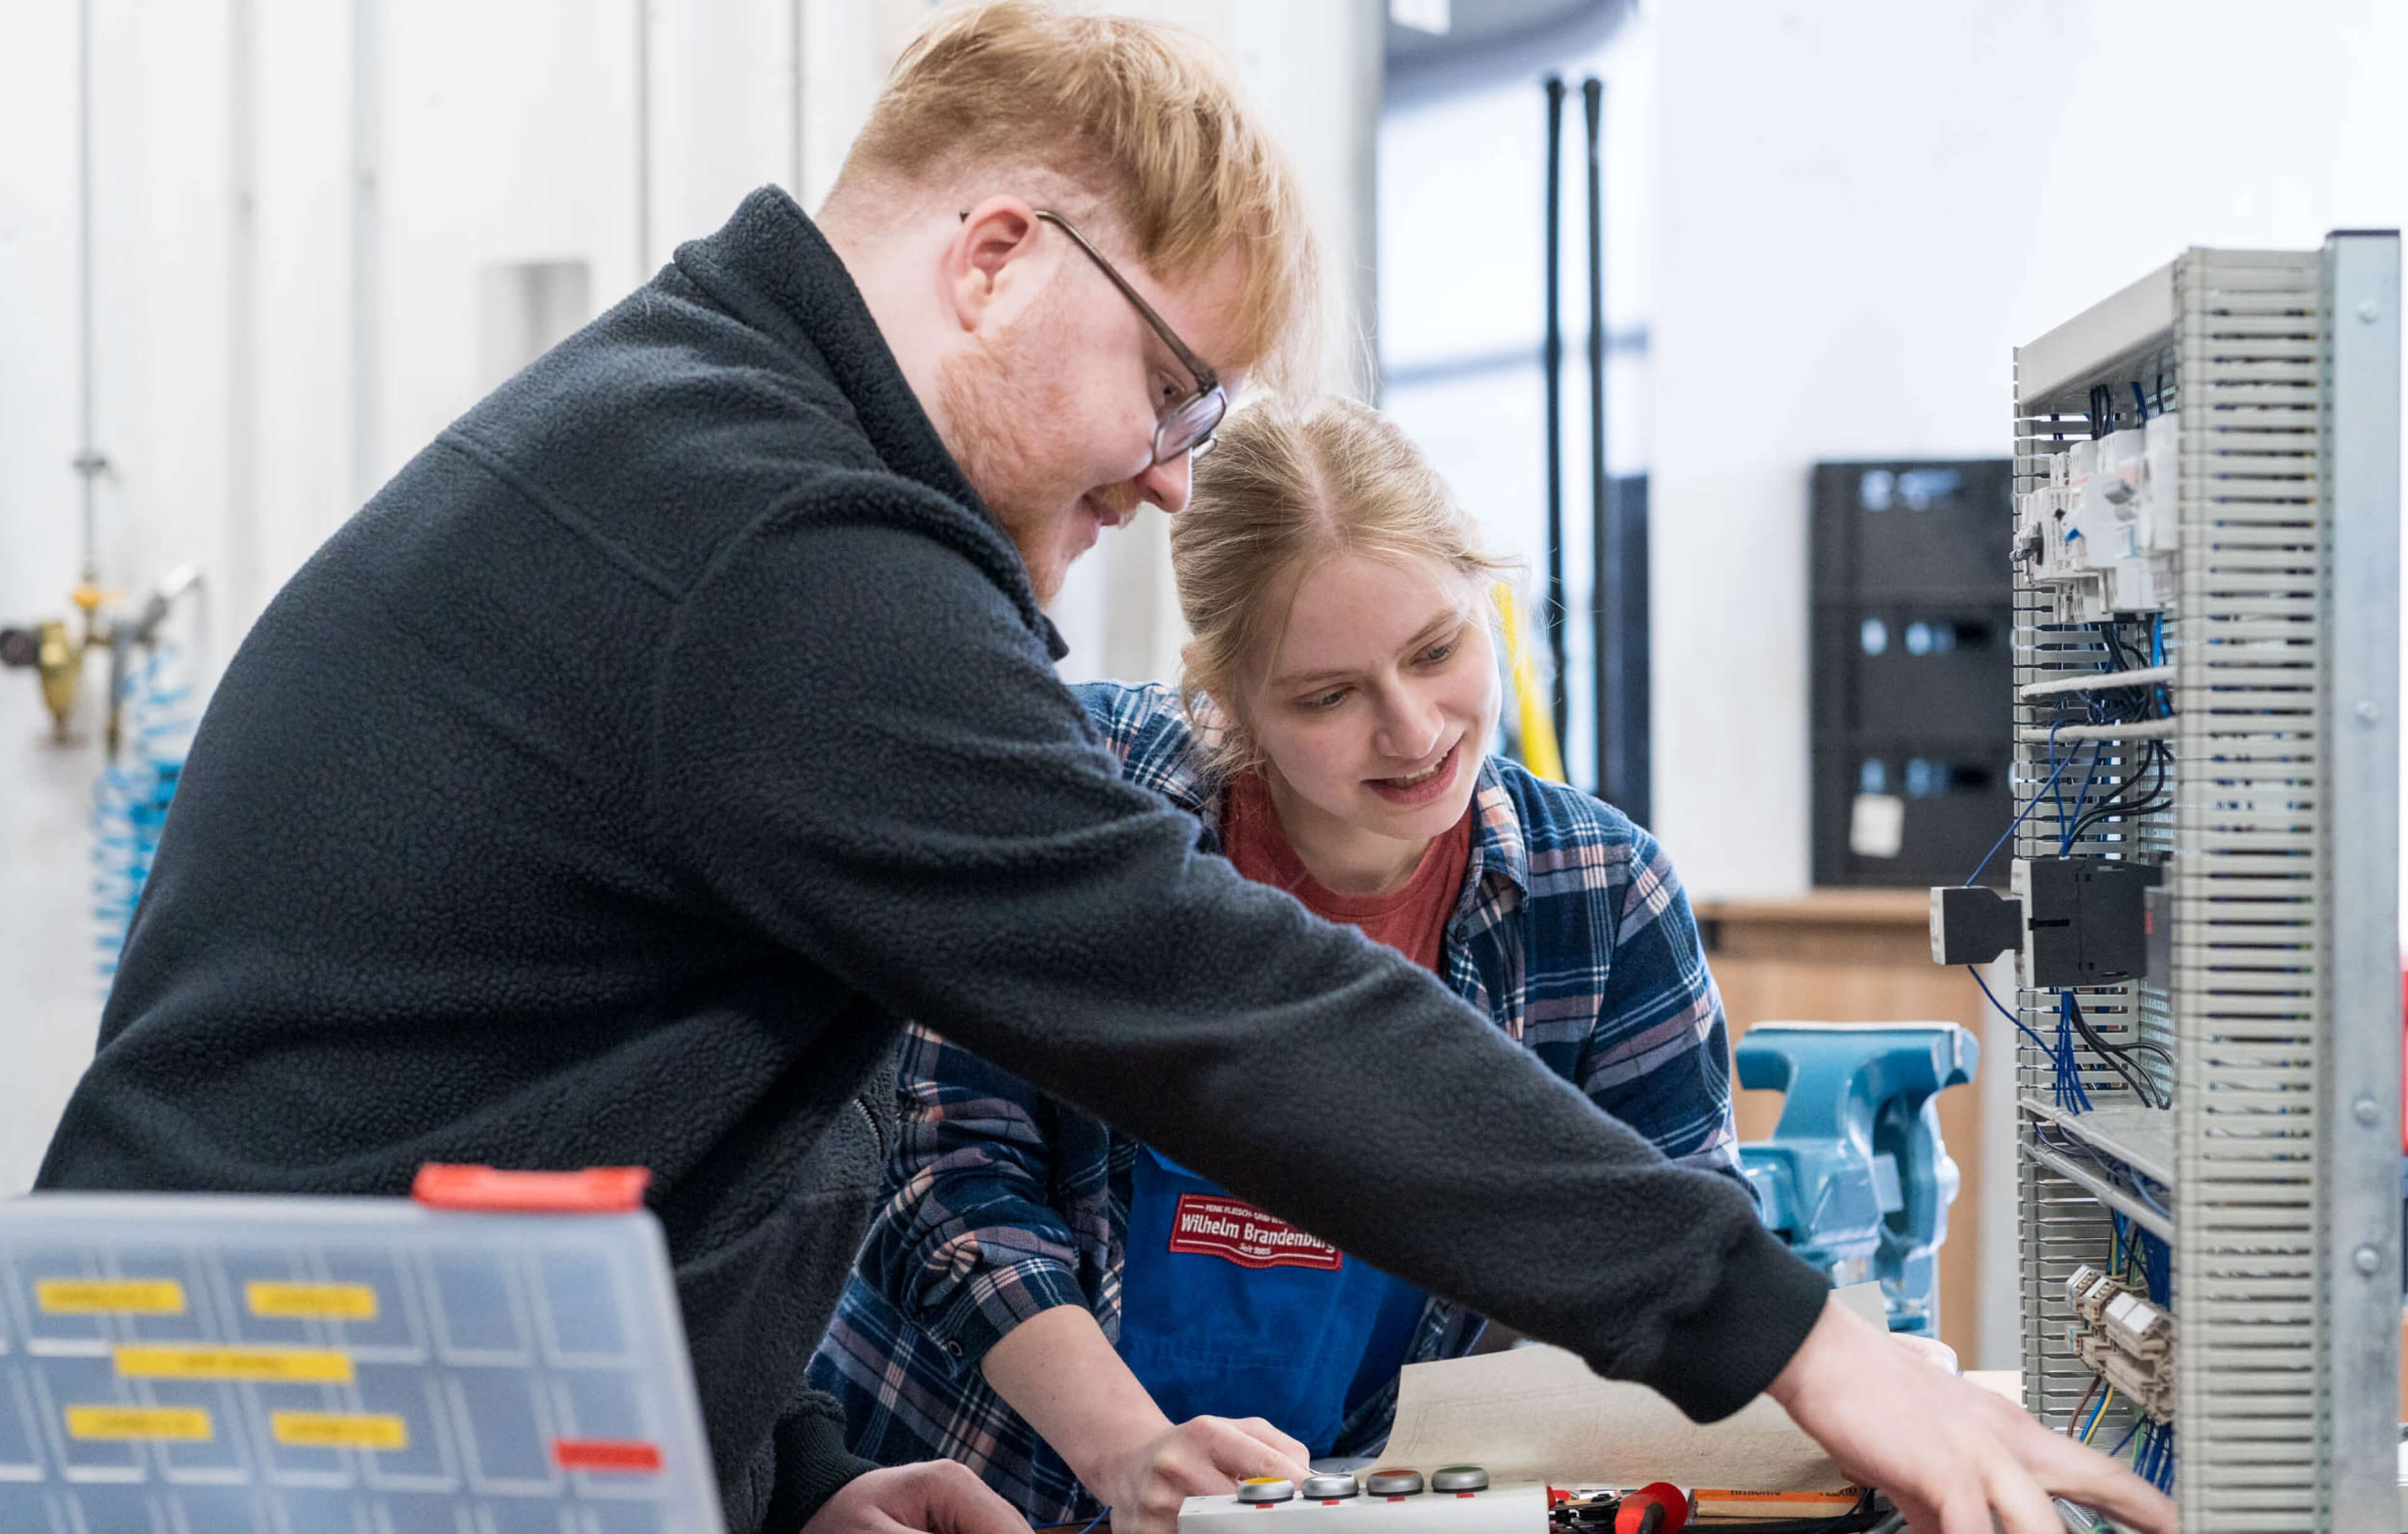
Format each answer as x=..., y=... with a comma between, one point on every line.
x=1323, y=1488
x=1394, y=1483
x=1460, y=1478
x=1265, y=1489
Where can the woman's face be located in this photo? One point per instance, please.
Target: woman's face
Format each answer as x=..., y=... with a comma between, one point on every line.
x=1380, y=695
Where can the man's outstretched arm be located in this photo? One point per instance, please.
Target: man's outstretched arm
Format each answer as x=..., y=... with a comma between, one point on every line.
x=868, y=755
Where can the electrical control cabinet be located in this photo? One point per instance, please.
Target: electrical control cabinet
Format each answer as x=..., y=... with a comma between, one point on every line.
x=2205, y=558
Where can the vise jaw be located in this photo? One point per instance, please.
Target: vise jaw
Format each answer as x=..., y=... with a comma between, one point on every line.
x=1855, y=1178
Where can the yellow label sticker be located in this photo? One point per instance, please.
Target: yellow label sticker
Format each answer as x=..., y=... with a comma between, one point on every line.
x=311, y=1301
x=176, y=1424
x=97, y=1296
x=338, y=1430
x=256, y=1366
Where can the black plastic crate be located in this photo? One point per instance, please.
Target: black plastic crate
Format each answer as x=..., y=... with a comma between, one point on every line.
x=1906, y=668
x=1925, y=530
x=1913, y=718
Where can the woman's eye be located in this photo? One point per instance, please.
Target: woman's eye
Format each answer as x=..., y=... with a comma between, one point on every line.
x=1326, y=700
x=1437, y=654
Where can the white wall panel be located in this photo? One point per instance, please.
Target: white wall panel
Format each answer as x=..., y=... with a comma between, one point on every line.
x=1863, y=210
x=503, y=134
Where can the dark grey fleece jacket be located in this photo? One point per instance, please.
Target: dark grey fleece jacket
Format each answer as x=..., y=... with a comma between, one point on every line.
x=604, y=791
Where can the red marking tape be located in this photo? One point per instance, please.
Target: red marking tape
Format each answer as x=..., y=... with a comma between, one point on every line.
x=617, y=1455
x=596, y=1190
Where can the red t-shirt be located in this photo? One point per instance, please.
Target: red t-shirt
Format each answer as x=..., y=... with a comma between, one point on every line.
x=1411, y=918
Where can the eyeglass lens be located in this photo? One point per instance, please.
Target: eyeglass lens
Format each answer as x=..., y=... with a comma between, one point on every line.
x=1190, y=425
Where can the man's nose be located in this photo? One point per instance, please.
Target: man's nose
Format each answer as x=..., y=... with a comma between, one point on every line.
x=1166, y=486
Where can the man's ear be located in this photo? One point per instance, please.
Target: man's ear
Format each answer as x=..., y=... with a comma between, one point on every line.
x=987, y=258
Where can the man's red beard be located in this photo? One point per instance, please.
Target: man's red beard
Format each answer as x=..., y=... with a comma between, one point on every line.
x=997, y=403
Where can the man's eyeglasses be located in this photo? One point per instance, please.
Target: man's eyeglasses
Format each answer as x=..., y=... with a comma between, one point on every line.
x=1187, y=425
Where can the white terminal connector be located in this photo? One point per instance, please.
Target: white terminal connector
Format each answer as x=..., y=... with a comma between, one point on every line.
x=2124, y=1338
x=2100, y=537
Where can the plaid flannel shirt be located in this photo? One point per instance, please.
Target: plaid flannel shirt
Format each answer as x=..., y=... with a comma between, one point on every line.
x=1571, y=933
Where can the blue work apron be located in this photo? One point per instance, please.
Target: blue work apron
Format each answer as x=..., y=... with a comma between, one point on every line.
x=1231, y=1312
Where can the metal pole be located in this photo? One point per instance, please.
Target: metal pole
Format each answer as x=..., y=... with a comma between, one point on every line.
x=794, y=100
x=2358, y=1116
x=1552, y=606
x=242, y=572
x=1605, y=555
x=89, y=463
x=367, y=276
x=643, y=140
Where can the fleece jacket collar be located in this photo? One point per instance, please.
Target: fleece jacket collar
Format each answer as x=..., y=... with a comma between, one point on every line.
x=772, y=265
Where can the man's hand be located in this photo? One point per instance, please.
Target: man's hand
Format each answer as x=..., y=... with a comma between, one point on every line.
x=1949, y=1453
x=934, y=1496
x=1202, y=1456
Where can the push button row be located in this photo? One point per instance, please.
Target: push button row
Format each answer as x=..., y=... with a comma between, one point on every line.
x=1461, y=1479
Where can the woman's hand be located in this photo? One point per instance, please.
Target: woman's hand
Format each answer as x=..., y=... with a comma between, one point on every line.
x=1057, y=1371
x=1202, y=1456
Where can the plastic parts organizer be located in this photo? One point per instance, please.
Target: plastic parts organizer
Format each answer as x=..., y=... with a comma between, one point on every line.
x=202, y=1364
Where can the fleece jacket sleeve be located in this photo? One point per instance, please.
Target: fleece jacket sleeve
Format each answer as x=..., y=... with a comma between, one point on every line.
x=863, y=750
x=810, y=1464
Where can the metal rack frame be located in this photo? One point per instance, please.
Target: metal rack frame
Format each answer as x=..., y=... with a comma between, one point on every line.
x=2280, y=1159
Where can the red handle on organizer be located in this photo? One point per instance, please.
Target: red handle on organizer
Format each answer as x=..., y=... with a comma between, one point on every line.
x=489, y=1190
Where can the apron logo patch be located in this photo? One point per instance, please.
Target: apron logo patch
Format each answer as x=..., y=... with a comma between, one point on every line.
x=1236, y=1231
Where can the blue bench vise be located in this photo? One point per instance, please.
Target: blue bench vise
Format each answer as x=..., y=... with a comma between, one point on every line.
x=1855, y=1178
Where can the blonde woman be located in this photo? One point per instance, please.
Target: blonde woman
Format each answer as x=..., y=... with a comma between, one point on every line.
x=1147, y=1335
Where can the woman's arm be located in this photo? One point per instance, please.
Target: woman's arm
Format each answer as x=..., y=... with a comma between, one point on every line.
x=967, y=1245
x=1658, y=1053
x=969, y=1248
x=1059, y=1372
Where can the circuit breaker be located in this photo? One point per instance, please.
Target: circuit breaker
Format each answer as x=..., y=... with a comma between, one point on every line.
x=2099, y=535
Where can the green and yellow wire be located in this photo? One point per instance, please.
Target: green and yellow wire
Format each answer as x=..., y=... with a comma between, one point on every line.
x=2100, y=1414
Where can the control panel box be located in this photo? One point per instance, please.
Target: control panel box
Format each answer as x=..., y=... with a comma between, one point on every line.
x=221, y=1365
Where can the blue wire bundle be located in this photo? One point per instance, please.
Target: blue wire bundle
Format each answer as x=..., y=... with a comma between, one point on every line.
x=2154, y=1460
x=2062, y=1051
x=2063, y=1063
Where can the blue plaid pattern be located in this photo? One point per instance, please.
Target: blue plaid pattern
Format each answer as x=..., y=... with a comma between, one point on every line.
x=1571, y=933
